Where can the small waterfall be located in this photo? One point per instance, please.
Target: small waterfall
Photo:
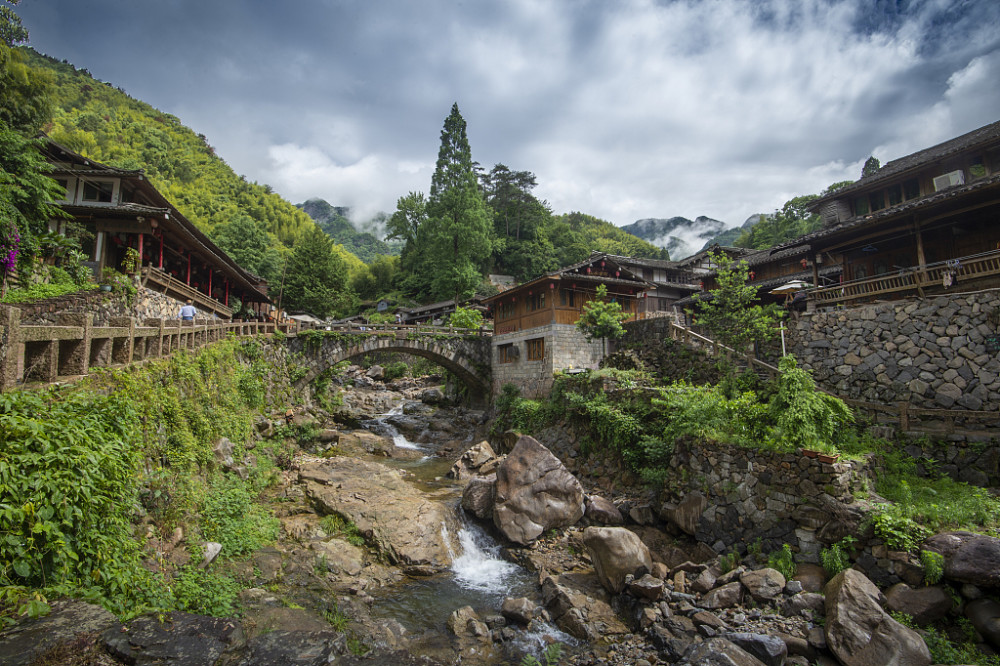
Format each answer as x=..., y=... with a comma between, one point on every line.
x=390, y=430
x=479, y=567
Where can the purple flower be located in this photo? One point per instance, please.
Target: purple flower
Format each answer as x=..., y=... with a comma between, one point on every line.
x=9, y=247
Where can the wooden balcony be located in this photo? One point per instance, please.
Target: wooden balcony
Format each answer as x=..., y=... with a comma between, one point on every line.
x=167, y=284
x=937, y=276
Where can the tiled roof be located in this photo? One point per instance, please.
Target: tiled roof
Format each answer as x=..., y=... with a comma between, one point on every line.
x=982, y=136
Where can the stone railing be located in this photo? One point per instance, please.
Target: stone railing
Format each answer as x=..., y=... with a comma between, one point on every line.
x=75, y=346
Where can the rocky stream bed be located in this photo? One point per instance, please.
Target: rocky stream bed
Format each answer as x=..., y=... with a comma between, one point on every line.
x=479, y=554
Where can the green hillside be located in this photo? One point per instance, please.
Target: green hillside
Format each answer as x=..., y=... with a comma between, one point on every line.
x=333, y=220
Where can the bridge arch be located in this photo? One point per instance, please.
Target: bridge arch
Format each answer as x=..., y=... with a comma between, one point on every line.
x=468, y=358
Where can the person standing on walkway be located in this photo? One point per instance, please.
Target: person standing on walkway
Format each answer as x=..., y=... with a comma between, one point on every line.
x=187, y=312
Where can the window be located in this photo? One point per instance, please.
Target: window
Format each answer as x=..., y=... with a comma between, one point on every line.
x=861, y=206
x=536, y=301
x=507, y=353
x=876, y=201
x=911, y=189
x=895, y=195
x=976, y=168
x=567, y=298
x=536, y=349
x=100, y=191
x=505, y=311
x=65, y=183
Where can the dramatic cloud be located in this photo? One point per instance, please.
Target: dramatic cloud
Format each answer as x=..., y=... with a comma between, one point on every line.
x=623, y=110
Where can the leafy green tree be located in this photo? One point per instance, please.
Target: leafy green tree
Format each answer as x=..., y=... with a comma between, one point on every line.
x=602, y=319
x=466, y=318
x=243, y=239
x=459, y=229
x=520, y=220
x=792, y=221
x=316, y=277
x=733, y=316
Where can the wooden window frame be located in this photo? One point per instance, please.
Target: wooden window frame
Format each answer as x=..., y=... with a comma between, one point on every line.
x=535, y=348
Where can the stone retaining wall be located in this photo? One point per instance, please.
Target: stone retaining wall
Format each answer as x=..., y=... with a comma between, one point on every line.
x=931, y=353
x=149, y=304
x=565, y=347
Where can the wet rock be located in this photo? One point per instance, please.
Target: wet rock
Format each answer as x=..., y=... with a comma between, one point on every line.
x=181, y=639
x=925, y=604
x=521, y=610
x=339, y=557
x=808, y=601
x=769, y=649
x=477, y=498
x=294, y=648
x=763, y=584
x=580, y=613
x=534, y=492
x=392, y=515
x=465, y=623
x=433, y=396
x=471, y=461
x=24, y=642
x=602, y=511
x=362, y=441
x=968, y=558
x=616, y=553
x=860, y=633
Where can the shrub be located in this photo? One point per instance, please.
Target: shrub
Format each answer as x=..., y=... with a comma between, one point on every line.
x=782, y=561
x=804, y=416
x=466, y=318
x=837, y=557
x=230, y=517
x=933, y=566
x=199, y=591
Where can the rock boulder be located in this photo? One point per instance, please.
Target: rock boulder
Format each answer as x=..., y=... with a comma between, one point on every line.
x=534, y=492
x=968, y=558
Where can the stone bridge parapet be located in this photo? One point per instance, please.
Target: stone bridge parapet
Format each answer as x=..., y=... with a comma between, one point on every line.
x=468, y=357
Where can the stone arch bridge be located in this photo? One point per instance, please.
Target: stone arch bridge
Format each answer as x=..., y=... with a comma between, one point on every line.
x=468, y=357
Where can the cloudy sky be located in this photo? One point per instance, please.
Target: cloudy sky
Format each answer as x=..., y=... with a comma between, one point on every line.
x=623, y=109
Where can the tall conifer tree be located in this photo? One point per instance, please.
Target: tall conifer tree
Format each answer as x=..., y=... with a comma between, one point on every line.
x=460, y=236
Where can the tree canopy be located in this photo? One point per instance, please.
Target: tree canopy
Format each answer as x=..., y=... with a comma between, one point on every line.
x=316, y=276
x=601, y=318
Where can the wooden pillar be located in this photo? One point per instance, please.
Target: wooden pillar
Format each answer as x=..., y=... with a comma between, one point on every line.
x=140, y=249
x=189, y=270
x=816, y=269
x=227, y=293
x=921, y=258
x=160, y=263
x=209, y=281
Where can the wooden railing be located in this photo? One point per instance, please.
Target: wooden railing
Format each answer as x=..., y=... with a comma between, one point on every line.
x=75, y=346
x=713, y=348
x=914, y=278
x=171, y=286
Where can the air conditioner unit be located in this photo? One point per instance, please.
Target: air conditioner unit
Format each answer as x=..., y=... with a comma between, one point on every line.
x=949, y=180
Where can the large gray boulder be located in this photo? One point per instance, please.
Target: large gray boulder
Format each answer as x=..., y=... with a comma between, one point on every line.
x=763, y=584
x=924, y=604
x=985, y=617
x=393, y=515
x=477, y=498
x=616, y=553
x=23, y=643
x=718, y=652
x=534, y=492
x=968, y=558
x=860, y=633
x=686, y=514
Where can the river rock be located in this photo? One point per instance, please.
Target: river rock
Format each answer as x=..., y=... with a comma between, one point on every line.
x=23, y=643
x=520, y=610
x=602, y=511
x=718, y=652
x=395, y=517
x=339, y=557
x=984, y=614
x=376, y=372
x=968, y=558
x=465, y=623
x=472, y=460
x=860, y=633
x=925, y=604
x=769, y=649
x=727, y=596
x=477, y=498
x=686, y=514
x=616, y=553
x=763, y=584
x=582, y=613
x=301, y=648
x=180, y=639
x=534, y=492
x=363, y=441
x=433, y=396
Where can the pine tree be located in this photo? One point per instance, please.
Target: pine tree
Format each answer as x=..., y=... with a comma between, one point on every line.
x=316, y=277
x=459, y=226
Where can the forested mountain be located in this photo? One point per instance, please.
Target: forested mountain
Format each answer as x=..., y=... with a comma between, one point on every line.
x=335, y=222
x=680, y=236
x=244, y=218
x=729, y=237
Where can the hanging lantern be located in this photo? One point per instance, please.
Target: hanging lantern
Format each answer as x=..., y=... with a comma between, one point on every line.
x=752, y=275
x=588, y=269
x=602, y=264
x=552, y=285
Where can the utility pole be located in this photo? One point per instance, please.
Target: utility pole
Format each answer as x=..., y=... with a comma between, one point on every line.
x=281, y=289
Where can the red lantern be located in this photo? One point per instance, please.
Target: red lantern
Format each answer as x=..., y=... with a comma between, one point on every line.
x=588, y=269
x=618, y=273
x=602, y=264
x=552, y=285
x=752, y=275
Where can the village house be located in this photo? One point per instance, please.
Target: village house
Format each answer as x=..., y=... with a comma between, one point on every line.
x=534, y=323
x=121, y=209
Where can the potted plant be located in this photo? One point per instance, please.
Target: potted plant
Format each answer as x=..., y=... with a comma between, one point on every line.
x=107, y=278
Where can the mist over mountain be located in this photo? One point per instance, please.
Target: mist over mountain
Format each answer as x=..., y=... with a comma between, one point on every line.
x=680, y=236
x=728, y=237
x=335, y=221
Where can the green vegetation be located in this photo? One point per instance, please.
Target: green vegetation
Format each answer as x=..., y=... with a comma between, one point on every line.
x=551, y=654
x=336, y=525
x=732, y=315
x=945, y=651
x=933, y=566
x=80, y=462
x=837, y=557
x=466, y=318
x=782, y=561
x=793, y=220
x=602, y=318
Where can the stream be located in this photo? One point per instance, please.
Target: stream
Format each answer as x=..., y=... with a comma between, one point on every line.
x=479, y=576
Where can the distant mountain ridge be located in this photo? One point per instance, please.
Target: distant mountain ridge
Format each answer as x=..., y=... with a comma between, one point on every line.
x=335, y=222
x=680, y=236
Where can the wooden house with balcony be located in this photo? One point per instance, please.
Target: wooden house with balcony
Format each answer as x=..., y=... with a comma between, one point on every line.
x=121, y=209
x=924, y=223
x=534, y=324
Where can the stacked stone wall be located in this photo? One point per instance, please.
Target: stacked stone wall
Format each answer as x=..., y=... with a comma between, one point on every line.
x=565, y=348
x=149, y=304
x=931, y=353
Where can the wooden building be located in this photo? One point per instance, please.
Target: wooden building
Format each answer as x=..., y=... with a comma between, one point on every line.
x=558, y=297
x=121, y=209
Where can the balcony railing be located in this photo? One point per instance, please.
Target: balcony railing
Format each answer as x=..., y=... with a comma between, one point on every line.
x=171, y=286
x=942, y=274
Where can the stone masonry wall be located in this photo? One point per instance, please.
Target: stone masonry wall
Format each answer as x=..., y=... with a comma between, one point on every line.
x=565, y=347
x=148, y=304
x=932, y=353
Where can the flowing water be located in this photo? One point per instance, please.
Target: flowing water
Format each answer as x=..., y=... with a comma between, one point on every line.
x=479, y=576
